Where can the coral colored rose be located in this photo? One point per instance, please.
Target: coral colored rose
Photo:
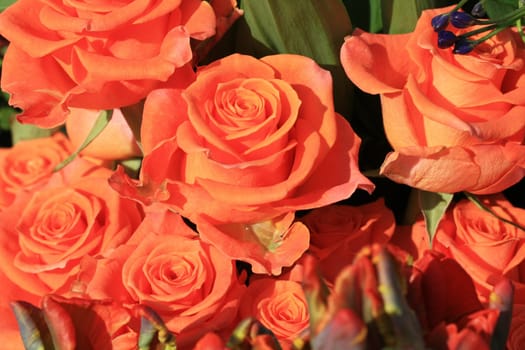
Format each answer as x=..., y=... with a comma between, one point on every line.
x=338, y=232
x=456, y=122
x=280, y=306
x=190, y=284
x=116, y=141
x=28, y=164
x=483, y=245
x=101, y=55
x=248, y=141
x=45, y=234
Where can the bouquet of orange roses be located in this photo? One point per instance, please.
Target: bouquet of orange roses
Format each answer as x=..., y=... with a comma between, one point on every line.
x=262, y=174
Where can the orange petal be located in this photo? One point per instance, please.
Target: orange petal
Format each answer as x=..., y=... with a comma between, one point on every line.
x=376, y=63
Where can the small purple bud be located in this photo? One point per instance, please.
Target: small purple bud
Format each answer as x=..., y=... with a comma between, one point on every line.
x=461, y=19
x=446, y=39
x=478, y=10
x=440, y=22
x=463, y=46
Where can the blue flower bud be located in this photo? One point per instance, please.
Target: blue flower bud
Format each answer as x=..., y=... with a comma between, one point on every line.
x=464, y=46
x=478, y=10
x=446, y=39
x=461, y=19
x=440, y=22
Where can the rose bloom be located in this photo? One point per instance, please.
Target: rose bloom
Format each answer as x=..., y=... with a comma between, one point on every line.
x=482, y=244
x=45, y=234
x=190, y=284
x=455, y=122
x=100, y=55
x=28, y=164
x=248, y=141
x=280, y=305
x=338, y=232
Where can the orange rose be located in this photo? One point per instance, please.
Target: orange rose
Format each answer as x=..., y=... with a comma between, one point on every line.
x=96, y=55
x=280, y=306
x=45, y=234
x=483, y=245
x=248, y=141
x=28, y=164
x=190, y=284
x=456, y=122
x=338, y=232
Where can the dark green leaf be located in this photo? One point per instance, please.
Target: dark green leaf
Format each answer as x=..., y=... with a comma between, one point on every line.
x=102, y=121
x=365, y=14
x=499, y=8
x=6, y=116
x=400, y=16
x=433, y=206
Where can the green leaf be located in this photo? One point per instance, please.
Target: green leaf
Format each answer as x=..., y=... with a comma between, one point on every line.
x=102, y=121
x=311, y=28
x=400, y=16
x=6, y=116
x=433, y=206
x=21, y=132
x=499, y=8
x=365, y=14
x=5, y=4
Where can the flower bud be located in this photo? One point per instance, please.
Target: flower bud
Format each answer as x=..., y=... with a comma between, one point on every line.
x=440, y=22
x=461, y=19
x=463, y=46
x=446, y=39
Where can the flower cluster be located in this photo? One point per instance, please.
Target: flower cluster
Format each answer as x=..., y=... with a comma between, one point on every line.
x=184, y=194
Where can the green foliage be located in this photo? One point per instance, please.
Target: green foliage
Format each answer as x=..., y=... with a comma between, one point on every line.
x=433, y=206
x=365, y=14
x=5, y=4
x=400, y=16
x=6, y=115
x=21, y=132
x=499, y=8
